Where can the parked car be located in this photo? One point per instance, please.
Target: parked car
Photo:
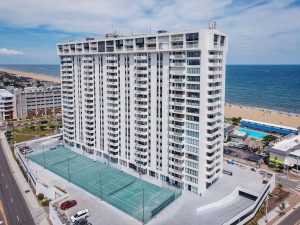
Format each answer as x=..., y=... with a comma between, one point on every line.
x=82, y=221
x=79, y=215
x=68, y=204
x=27, y=151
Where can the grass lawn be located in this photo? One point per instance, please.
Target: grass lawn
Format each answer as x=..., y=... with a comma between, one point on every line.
x=31, y=132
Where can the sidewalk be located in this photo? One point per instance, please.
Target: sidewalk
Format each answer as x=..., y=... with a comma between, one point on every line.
x=275, y=217
x=38, y=212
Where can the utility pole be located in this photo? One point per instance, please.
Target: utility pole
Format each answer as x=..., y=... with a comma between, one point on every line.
x=266, y=216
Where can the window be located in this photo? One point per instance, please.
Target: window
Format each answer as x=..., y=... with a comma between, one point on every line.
x=193, y=78
x=222, y=40
x=193, y=54
x=192, y=133
x=192, y=172
x=192, y=126
x=192, y=149
x=193, y=62
x=191, y=164
x=192, y=37
x=191, y=179
x=192, y=141
x=193, y=86
x=192, y=118
x=193, y=70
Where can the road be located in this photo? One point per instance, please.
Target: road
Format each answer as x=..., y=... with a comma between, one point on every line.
x=14, y=206
x=293, y=218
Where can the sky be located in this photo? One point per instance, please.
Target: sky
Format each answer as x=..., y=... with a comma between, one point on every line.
x=260, y=31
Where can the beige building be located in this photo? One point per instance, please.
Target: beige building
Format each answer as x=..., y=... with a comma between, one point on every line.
x=38, y=101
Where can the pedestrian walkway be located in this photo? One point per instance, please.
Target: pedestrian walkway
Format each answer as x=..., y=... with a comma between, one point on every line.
x=38, y=212
x=271, y=215
x=297, y=188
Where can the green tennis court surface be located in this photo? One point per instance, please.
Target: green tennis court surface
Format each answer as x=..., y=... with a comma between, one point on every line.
x=118, y=188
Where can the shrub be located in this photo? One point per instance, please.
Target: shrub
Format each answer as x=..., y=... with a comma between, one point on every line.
x=41, y=196
x=236, y=120
x=267, y=139
x=43, y=127
x=45, y=202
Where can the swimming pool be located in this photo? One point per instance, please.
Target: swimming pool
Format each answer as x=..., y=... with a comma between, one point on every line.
x=254, y=133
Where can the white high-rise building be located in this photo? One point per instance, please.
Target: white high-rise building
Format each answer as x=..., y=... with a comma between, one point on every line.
x=151, y=103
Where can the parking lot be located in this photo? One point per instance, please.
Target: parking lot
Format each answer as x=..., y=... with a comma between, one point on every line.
x=241, y=153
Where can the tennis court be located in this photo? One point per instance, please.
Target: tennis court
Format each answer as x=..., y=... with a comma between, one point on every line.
x=132, y=195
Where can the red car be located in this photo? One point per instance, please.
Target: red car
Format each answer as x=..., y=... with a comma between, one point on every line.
x=68, y=204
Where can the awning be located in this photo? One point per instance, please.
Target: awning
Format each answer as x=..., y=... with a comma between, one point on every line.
x=277, y=161
x=267, y=128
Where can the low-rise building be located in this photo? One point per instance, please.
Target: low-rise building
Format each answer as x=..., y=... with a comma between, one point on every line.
x=238, y=136
x=38, y=101
x=228, y=128
x=286, y=152
x=7, y=105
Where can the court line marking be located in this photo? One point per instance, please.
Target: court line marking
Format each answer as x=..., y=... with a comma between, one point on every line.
x=84, y=163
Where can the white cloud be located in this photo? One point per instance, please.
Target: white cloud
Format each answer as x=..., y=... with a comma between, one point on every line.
x=257, y=29
x=5, y=51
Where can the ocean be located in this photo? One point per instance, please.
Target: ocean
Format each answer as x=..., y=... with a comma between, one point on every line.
x=274, y=87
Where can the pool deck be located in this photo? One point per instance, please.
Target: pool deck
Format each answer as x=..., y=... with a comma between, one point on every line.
x=253, y=133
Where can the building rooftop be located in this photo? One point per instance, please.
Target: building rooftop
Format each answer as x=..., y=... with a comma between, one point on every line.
x=239, y=134
x=228, y=127
x=5, y=93
x=269, y=124
x=288, y=144
x=219, y=199
x=40, y=89
x=132, y=36
x=296, y=152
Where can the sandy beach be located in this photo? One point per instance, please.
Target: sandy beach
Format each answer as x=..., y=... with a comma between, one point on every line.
x=263, y=115
x=31, y=75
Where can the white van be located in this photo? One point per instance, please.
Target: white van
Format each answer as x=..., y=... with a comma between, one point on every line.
x=81, y=214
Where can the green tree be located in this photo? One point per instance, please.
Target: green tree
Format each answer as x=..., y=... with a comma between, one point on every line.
x=40, y=196
x=267, y=139
x=236, y=120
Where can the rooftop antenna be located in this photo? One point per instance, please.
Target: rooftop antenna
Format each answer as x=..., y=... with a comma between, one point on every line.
x=212, y=25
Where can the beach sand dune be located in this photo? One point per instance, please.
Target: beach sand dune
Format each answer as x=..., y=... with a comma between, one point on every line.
x=263, y=115
x=31, y=75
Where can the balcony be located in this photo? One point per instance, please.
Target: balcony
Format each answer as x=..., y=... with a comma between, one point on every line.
x=177, y=56
x=177, y=80
x=177, y=72
x=140, y=57
x=178, y=88
x=177, y=171
x=178, y=64
x=176, y=38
